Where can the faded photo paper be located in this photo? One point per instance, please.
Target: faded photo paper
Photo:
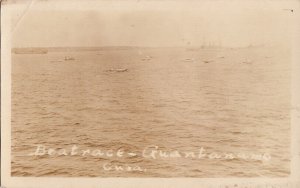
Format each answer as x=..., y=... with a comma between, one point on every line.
x=165, y=93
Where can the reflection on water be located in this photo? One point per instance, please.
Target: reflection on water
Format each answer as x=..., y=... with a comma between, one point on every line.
x=223, y=100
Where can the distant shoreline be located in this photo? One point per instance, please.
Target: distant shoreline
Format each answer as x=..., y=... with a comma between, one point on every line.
x=45, y=50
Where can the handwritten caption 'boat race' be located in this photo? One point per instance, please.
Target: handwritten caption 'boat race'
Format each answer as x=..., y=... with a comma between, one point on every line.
x=152, y=152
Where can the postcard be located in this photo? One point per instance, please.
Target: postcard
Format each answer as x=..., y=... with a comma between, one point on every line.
x=150, y=93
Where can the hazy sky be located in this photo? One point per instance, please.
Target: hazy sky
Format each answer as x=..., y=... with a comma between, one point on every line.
x=150, y=23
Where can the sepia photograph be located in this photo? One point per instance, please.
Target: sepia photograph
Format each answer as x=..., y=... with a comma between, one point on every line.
x=150, y=89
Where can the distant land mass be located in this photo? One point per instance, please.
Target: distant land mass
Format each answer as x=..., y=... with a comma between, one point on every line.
x=45, y=50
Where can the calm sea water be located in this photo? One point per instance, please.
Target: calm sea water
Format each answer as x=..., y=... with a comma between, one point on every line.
x=237, y=102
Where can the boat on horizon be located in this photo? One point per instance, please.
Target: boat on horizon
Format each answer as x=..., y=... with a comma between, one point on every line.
x=68, y=58
x=117, y=70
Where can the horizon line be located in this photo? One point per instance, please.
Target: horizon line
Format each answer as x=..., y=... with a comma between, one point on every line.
x=125, y=46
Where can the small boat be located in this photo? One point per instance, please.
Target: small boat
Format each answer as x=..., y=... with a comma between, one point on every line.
x=117, y=70
x=189, y=59
x=147, y=58
x=67, y=58
x=208, y=61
